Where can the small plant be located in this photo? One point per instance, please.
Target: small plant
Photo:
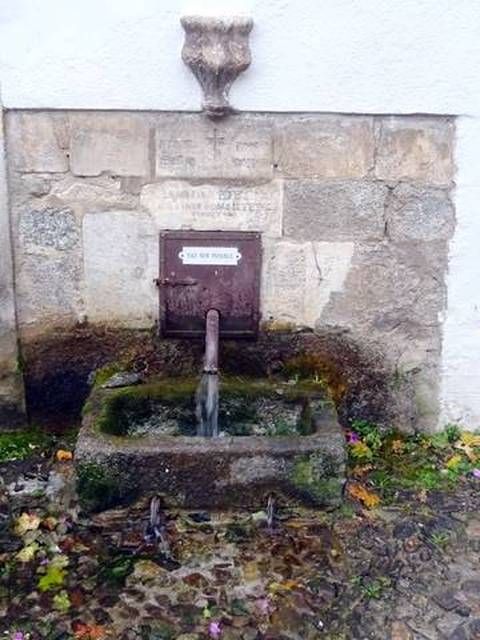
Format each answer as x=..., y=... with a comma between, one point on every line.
x=345, y=510
x=375, y=589
x=282, y=428
x=440, y=538
x=370, y=434
x=23, y=444
x=453, y=433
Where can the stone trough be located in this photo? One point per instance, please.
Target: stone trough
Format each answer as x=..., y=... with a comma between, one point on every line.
x=133, y=444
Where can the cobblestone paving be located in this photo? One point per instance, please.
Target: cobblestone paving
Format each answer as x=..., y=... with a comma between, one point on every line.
x=405, y=572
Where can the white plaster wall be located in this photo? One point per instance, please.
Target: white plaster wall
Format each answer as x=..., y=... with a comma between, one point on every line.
x=308, y=55
x=359, y=56
x=461, y=336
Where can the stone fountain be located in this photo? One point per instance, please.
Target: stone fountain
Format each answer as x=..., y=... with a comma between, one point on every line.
x=213, y=444
x=221, y=442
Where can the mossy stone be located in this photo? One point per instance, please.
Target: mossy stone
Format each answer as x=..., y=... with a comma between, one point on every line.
x=174, y=400
x=316, y=477
x=99, y=488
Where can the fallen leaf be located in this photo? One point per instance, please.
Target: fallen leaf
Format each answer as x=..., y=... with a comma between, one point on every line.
x=368, y=498
x=64, y=456
x=50, y=523
x=398, y=446
x=359, y=471
x=27, y=554
x=26, y=522
x=422, y=495
x=453, y=462
x=286, y=585
x=470, y=439
x=89, y=632
x=468, y=451
x=61, y=602
x=54, y=577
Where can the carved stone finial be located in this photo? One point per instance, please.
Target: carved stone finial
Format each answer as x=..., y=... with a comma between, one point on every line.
x=217, y=51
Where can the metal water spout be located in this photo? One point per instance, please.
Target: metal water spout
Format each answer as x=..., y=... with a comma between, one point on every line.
x=208, y=390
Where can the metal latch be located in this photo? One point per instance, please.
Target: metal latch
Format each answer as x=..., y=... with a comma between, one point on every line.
x=166, y=282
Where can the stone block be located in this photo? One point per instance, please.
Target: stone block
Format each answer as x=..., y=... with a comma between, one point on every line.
x=325, y=146
x=299, y=278
x=12, y=405
x=415, y=148
x=116, y=143
x=191, y=146
x=197, y=472
x=179, y=205
x=334, y=211
x=49, y=289
x=49, y=228
x=420, y=213
x=33, y=185
x=121, y=263
x=392, y=290
x=93, y=194
x=35, y=142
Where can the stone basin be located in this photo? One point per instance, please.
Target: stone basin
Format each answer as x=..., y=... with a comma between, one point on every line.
x=278, y=437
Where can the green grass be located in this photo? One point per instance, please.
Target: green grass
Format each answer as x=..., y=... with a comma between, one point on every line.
x=394, y=461
x=23, y=444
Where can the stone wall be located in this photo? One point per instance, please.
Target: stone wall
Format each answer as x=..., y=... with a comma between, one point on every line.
x=355, y=215
x=12, y=409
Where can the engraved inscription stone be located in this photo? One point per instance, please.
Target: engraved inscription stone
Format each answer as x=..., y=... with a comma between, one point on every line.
x=197, y=148
x=179, y=205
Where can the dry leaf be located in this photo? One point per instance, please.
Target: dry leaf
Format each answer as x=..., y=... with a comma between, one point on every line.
x=470, y=439
x=422, y=495
x=26, y=522
x=398, y=446
x=453, y=462
x=89, y=631
x=468, y=451
x=27, y=554
x=361, y=470
x=64, y=456
x=368, y=498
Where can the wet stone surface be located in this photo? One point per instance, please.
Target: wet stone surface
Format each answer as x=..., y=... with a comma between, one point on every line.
x=404, y=572
x=291, y=443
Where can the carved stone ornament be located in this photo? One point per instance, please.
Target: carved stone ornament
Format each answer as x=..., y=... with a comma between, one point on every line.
x=217, y=51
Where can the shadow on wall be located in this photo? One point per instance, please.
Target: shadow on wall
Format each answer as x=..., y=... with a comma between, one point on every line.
x=59, y=368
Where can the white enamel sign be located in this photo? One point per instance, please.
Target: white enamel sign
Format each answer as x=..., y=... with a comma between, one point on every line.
x=210, y=255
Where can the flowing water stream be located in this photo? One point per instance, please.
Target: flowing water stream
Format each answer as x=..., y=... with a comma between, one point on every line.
x=207, y=402
x=207, y=396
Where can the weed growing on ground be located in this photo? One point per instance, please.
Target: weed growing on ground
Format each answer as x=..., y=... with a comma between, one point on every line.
x=383, y=463
x=440, y=538
x=22, y=444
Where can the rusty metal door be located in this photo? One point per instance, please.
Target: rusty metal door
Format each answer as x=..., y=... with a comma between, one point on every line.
x=202, y=270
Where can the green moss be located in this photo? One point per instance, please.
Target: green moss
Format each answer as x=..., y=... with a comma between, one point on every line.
x=87, y=408
x=139, y=401
x=313, y=475
x=23, y=444
x=114, y=570
x=20, y=363
x=276, y=326
x=99, y=488
x=122, y=407
x=314, y=366
x=306, y=425
x=107, y=371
